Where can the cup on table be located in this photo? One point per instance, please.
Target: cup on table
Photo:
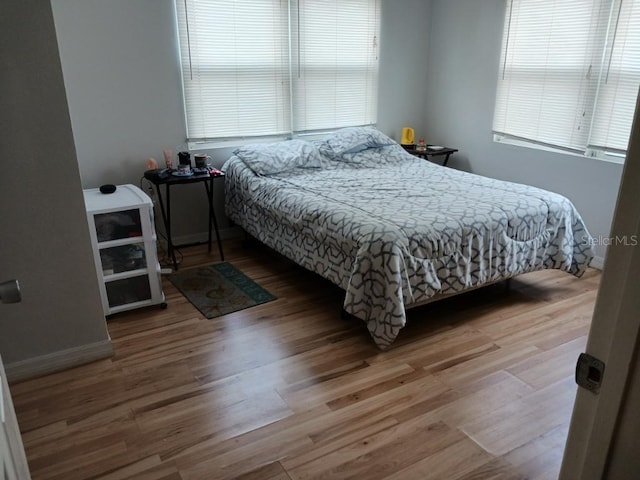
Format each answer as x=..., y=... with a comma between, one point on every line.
x=184, y=158
x=168, y=158
x=184, y=169
x=201, y=160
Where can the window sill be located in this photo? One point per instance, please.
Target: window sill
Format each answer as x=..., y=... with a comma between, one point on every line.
x=232, y=142
x=592, y=154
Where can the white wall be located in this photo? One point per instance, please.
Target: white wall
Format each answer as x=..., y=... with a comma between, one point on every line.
x=464, y=51
x=122, y=75
x=404, y=47
x=44, y=237
x=120, y=66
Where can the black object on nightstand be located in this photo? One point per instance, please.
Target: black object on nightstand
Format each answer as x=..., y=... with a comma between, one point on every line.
x=431, y=151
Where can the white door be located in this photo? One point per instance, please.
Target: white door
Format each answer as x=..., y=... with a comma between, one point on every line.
x=604, y=427
x=13, y=462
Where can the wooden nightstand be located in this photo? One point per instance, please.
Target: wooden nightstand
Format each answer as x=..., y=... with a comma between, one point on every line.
x=431, y=152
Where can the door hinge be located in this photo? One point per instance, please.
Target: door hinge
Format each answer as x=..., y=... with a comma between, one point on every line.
x=589, y=372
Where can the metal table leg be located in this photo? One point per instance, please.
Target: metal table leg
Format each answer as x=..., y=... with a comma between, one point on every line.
x=166, y=219
x=212, y=216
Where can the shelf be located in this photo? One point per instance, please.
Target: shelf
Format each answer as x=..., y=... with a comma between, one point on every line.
x=128, y=291
x=124, y=275
x=123, y=258
x=129, y=306
x=119, y=242
x=117, y=225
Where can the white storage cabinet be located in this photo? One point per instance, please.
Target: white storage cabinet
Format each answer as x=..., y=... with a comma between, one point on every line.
x=124, y=248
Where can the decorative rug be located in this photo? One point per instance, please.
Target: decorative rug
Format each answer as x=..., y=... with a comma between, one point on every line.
x=219, y=289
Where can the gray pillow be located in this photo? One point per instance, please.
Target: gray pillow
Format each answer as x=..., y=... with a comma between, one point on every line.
x=271, y=158
x=354, y=140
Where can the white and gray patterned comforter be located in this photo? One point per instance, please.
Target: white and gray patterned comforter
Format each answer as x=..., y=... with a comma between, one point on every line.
x=393, y=230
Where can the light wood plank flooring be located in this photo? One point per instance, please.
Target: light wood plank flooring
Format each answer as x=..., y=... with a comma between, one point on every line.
x=477, y=387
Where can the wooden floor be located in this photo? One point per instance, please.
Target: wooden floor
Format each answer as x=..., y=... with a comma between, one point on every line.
x=476, y=387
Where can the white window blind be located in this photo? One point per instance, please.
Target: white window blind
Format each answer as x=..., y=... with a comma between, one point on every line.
x=235, y=66
x=275, y=67
x=334, y=63
x=618, y=88
x=569, y=73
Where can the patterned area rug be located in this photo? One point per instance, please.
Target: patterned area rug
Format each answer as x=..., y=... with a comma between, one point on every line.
x=219, y=289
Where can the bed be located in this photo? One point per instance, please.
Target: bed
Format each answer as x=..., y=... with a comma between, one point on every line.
x=392, y=230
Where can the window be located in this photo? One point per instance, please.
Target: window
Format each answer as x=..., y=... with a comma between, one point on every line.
x=569, y=74
x=276, y=67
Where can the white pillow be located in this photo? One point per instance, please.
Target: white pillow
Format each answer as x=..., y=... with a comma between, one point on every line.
x=271, y=158
x=354, y=140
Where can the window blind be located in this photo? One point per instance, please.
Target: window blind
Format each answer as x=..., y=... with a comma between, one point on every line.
x=334, y=63
x=620, y=78
x=275, y=67
x=568, y=73
x=235, y=66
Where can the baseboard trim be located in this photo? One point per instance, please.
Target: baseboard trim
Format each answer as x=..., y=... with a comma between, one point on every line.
x=597, y=263
x=61, y=360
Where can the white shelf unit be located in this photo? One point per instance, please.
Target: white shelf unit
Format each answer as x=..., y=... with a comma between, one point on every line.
x=124, y=248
